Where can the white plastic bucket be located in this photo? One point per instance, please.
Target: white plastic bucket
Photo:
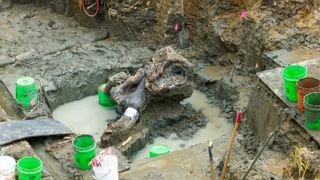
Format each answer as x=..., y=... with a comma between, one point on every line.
x=7, y=168
x=108, y=169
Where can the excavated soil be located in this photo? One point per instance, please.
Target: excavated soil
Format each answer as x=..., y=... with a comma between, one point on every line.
x=55, y=43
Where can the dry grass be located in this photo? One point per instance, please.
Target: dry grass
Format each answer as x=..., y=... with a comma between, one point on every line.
x=301, y=160
x=301, y=165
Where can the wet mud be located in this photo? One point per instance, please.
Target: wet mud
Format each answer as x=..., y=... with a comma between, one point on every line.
x=72, y=54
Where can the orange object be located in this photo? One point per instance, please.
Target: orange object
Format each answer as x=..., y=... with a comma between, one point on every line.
x=225, y=166
x=305, y=86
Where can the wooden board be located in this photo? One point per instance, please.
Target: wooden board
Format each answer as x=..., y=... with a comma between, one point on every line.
x=285, y=57
x=16, y=130
x=273, y=80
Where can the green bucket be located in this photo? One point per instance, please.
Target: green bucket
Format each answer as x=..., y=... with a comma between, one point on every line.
x=29, y=168
x=105, y=100
x=84, y=148
x=158, y=150
x=290, y=75
x=312, y=110
x=26, y=92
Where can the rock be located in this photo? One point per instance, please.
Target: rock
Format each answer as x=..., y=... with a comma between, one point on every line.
x=182, y=145
x=5, y=4
x=45, y=173
x=169, y=75
x=201, y=79
x=5, y=60
x=97, y=35
x=154, y=176
x=49, y=86
x=26, y=56
x=3, y=115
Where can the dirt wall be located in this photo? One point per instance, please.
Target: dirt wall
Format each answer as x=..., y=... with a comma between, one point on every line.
x=266, y=114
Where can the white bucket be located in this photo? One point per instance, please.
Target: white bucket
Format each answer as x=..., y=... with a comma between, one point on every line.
x=7, y=168
x=108, y=169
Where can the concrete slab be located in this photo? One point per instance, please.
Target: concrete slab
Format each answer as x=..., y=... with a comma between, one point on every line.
x=273, y=80
x=285, y=57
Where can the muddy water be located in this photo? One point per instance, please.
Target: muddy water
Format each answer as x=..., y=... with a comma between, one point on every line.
x=218, y=72
x=85, y=116
x=216, y=127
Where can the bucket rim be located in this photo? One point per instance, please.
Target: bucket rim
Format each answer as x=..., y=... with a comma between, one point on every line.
x=309, y=106
x=165, y=149
x=20, y=81
x=101, y=86
x=302, y=79
x=294, y=66
x=87, y=149
x=34, y=170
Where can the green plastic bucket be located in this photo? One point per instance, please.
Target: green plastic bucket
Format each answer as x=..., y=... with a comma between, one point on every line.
x=105, y=100
x=158, y=150
x=290, y=75
x=29, y=168
x=26, y=92
x=84, y=148
x=312, y=110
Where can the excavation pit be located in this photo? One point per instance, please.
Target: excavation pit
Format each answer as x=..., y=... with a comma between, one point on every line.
x=191, y=122
x=228, y=46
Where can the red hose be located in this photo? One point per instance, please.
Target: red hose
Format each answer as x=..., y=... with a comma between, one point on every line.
x=85, y=8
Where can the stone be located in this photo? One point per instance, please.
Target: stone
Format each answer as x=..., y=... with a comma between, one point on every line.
x=3, y=115
x=49, y=86
x=5, y=4
x=201, y=79
x=26, y=56
x=5, y=60
x=97, y=35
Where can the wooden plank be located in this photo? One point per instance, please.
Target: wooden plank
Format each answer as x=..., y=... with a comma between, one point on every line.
x=285, y=57
x=16, y=130
x=273, y=80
